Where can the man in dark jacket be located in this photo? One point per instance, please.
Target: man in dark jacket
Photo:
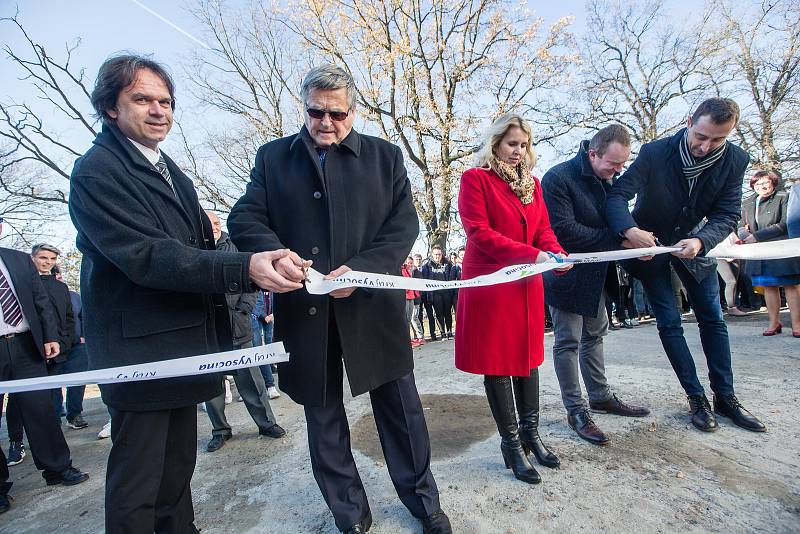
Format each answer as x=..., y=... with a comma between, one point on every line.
x=344, y=200
x=438, y=268
x=575, y=194
x=153, y=289
x=688, y=191
x=44, y=257
x=249, y=381
x=28, y=338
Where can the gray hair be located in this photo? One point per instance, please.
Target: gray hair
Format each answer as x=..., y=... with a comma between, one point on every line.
x=495, y=134
x=44, y=246
x=328, y=78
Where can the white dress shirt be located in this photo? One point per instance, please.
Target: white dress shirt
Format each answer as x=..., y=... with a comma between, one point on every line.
x=23, y=325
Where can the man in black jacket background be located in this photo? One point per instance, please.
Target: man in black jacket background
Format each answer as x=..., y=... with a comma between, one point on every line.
x=28, y=338
x=249, y=381
x=44, y=257
x=688, y=191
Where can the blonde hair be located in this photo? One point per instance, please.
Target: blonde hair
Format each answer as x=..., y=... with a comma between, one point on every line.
x=495, y=134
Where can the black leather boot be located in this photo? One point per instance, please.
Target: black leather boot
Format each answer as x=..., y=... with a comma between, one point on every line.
x=501, y=402
x=526, y=391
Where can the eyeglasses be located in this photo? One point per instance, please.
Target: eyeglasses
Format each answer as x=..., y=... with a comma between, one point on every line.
x=337, y=116
x=762, y=184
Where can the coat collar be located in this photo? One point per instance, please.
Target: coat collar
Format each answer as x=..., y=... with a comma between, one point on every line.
x=352, y=142
x=140, y=168
x=506, y=190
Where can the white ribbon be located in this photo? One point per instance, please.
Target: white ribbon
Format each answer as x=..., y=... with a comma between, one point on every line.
x=770, y=250
x=317, y=285
x=192, y=365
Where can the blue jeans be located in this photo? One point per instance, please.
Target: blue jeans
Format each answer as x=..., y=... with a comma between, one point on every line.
x=704, y=299
x=77, y=361
x=262, y=335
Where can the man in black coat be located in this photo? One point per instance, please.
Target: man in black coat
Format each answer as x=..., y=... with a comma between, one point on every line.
x=249, y=381
x=28, y=338
x=153, y=289
x=343, y=200
x=439, y=269
x=575, y=194
x=44, y=258
x=688, y=191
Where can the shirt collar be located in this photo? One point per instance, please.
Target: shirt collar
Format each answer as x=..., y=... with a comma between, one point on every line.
x=150, y=155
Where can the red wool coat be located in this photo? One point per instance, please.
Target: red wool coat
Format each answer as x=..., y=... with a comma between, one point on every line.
x=501, y=327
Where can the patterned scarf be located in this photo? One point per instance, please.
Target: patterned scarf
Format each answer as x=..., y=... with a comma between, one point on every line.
x=518, y=177
x=693, y=167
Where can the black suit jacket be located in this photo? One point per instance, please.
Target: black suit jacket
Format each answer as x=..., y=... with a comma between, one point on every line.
x=32, y=297
x=152, y=284
x=58, y=292
x=359, y=213
x=664, y=206
x=576, y=204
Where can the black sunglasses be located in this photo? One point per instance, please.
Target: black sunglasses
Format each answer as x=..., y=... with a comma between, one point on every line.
x=337, y=116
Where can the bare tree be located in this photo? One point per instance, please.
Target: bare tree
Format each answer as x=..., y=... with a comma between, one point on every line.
x=431, y=73
x=59, y=88
x=759, y=66
x=641, y=70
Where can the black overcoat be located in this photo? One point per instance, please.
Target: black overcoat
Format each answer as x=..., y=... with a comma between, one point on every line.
x=58, y=292
x=152, y=284
x=576, y=204
x=769, y=226
x=664, y=206
x=32, y=298
x=357, y=213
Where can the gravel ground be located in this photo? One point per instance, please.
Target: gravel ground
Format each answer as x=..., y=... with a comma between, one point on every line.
x=658, y=474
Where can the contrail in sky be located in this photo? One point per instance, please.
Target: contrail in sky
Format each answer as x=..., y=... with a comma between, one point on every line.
x=164, y=20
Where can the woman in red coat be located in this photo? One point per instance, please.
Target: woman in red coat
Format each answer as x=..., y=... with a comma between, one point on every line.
x=501, y=328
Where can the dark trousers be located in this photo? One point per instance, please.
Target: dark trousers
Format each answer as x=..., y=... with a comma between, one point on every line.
x=704, y=299
x=19, y=358
x=250, y=384
x=403, y=435
x=150, y=467
x=13, y=417
x=441, y=305
x=77, y=362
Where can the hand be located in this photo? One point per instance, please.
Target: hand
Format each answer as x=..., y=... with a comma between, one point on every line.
x=83, y=340
x=627, y=244
x=268, y=318
x=639, y=238
x=750, y=239
x=542, y=257
x=292, y=267
x=689, y=248
x=344, y=292
x=564, y=267
x=51, y=350
x=263, y=273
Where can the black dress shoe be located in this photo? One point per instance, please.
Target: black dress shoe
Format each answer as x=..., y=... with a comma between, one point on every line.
x=702, y=417
x=217, y=442
x=68, y=477
x=275, y=431
x=617, y=407
x=362, y=526
x=436, y=523
x=730, y=407
x=582, y=423
x=5, y=504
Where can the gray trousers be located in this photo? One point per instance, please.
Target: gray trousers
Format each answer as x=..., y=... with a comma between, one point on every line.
x=579, y=343
x=413, y=319
x=250, y=384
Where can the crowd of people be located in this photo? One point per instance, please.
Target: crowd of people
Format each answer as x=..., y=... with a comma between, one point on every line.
x=161, y=280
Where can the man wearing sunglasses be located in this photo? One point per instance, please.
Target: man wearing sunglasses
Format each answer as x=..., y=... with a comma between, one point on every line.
x=343, y=200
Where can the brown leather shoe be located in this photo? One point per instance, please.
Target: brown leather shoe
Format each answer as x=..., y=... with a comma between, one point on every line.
x=617, y=407
x=582, y=423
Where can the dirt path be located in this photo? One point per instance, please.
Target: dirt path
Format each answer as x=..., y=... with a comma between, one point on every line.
x=658, y=474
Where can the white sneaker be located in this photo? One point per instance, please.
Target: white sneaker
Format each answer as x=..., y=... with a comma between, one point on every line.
x=273, y=392
x=105, y=432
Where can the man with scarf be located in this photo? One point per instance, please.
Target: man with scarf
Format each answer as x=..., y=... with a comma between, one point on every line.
x=688, y=194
